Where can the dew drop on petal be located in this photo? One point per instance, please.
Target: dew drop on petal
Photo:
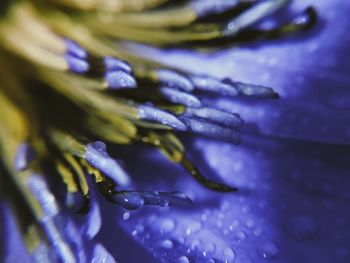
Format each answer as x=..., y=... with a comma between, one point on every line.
x=195, y=226
x=209, y=248
x=225, y=205
x=250, y=223
x=245, y=209
x=228, y=255
x=167, y=244
x=195, y=244
x=241, y=236
x=231, y=228
x=183, y=259
x=140, y=228
x=134, y=233
x=167, y=225
x=126, y=216
x=268, y=251
x=181, y=239
x=257, y=231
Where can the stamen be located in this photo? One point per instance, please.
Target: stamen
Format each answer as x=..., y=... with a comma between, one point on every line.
x=174, y=80
x=306, y=19
x=211, y=84
x=251, y=90
x=253, y=15
x=212, y=130
x=76, y=50
x=150, y=113
x=210, y=7
x=112, y=63
x=77, y=65
x=179, y=97
x=116, y=73
x=120, y=80
x=96, y=155
x=226, y=119
x=195, y=173
x=42, y=253
x=24, y=156
x=51, y=211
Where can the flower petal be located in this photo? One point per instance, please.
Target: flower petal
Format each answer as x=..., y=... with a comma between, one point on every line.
x=310, y=73
x=292, y=200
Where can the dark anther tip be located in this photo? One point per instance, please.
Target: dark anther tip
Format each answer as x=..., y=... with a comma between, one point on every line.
x=275, y=96
x=312, y=15
x=312, y=12
x=229, y=189
x=223, y=188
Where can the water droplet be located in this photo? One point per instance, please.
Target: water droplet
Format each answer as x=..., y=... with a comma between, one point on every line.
x=225, y=205
x=257, y=231
x=268, y=251
x=183, y=259
x=140, y=228
x=245, y=209
x=132, y=201
x=195, y=244
x=231, y=228
x=219, y=224
x=165, y=203
x=221, y=215
x=126, y=216
x=193, y=227
x=235, y=223
x=229, y=255
x=196, y=226
x=301, y=227
x=167, y=225
x=209, y=249
x=241, y=236
x=181, y=240
x=167, y=244
x=250, y=223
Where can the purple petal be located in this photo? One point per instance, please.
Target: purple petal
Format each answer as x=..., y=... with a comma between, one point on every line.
x=310, y=74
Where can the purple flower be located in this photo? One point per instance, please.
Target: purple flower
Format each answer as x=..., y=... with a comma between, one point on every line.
x=289, y=171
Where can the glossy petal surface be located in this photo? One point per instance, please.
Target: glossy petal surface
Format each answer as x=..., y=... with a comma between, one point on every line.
x=291, y=171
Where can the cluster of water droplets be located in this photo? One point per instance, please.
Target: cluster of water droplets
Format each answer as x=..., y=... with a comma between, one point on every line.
x=199, y=239
x=245, y=227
